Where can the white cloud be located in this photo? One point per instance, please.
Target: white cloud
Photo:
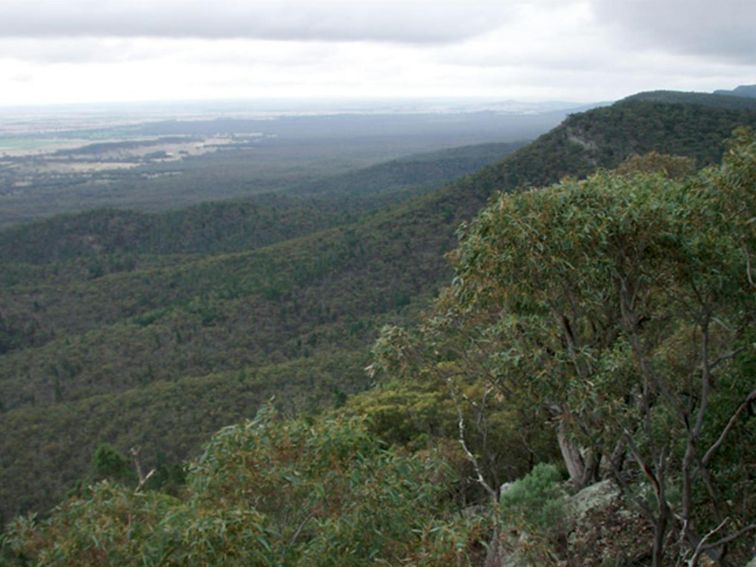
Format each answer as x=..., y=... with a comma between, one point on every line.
x=532, y=49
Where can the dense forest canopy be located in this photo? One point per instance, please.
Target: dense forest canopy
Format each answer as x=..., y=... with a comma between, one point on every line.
x=594, y=329
x=619, y=309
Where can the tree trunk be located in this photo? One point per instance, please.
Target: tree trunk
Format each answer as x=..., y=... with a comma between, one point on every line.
x=660, y=534
x=573, y=458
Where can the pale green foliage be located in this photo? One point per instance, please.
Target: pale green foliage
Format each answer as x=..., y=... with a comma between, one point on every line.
x=404, y=414
x=618, y=308
x=111, y=526
x=420, y=415
x=547, y=269
x=533, y=511
x=265, y=492
x=537, y=299
x=616, y=305
x=390, y=352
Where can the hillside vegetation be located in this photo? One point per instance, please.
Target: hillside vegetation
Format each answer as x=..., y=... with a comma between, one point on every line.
x=230, y=226
x=600, y=328
x=149, y=315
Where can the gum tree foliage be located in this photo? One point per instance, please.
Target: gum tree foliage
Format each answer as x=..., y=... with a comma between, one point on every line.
x=265, y=492
x=621, y=308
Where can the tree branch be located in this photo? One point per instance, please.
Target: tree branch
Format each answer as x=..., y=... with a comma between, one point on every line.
x=700, y=547
x=135, y=452
x=730, y=424
x=729, y=538
x=469, y=454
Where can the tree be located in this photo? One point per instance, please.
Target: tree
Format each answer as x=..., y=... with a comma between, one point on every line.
x=622, y=308
x=265, y=492
x=108, y=463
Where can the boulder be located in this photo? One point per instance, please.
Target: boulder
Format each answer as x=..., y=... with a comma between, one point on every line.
x=604, y=530
x=594, y=497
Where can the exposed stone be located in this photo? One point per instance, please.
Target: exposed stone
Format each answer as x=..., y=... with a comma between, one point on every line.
x=604, y=531
x=596, y=496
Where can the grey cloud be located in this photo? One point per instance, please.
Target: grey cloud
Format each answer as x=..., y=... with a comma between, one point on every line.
x=403, y=22
x=67, y=50
x=722, y=29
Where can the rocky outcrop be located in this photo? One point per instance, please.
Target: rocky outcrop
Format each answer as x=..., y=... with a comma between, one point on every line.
x=599, y=529
x=604, y=530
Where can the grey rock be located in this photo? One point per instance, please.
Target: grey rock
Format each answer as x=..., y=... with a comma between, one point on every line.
x=597, y=496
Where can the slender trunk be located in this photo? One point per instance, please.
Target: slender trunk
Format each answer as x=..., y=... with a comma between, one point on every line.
x=660, y=534
x=617, y=458
x=592, y=471
x=664, y=514
x=573, y=459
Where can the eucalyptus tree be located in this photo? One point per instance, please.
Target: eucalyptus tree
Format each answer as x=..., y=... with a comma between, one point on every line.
x=622, y=308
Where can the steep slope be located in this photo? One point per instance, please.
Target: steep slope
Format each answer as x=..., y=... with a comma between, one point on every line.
x=311, y=297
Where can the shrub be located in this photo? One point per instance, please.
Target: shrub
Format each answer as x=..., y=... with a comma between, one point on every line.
x=536, y=501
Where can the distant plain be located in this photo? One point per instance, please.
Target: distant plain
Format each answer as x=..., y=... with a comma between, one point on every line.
x=157, y=158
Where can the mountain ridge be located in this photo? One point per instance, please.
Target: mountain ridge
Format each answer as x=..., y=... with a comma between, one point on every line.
x=740, y=90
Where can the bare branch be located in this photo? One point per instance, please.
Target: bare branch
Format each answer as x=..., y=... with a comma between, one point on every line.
x=144, y=480
x=730, y=424
x=725, y=357
x=135, y=452
x=469, y=454
x=729, y=538
x=645, y=467
x=700, y=547
x=298, y=531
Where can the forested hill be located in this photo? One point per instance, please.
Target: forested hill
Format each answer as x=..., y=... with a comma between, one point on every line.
x=415, y=170
x=235, y=225
x=741, y=90
x=674, y=123
x=733, y=100
x=163, y=351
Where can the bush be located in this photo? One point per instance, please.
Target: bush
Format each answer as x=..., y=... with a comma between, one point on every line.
x=535, y=502
x=265, y=492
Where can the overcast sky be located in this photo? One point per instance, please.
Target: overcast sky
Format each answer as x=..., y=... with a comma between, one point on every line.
x=64, y=51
